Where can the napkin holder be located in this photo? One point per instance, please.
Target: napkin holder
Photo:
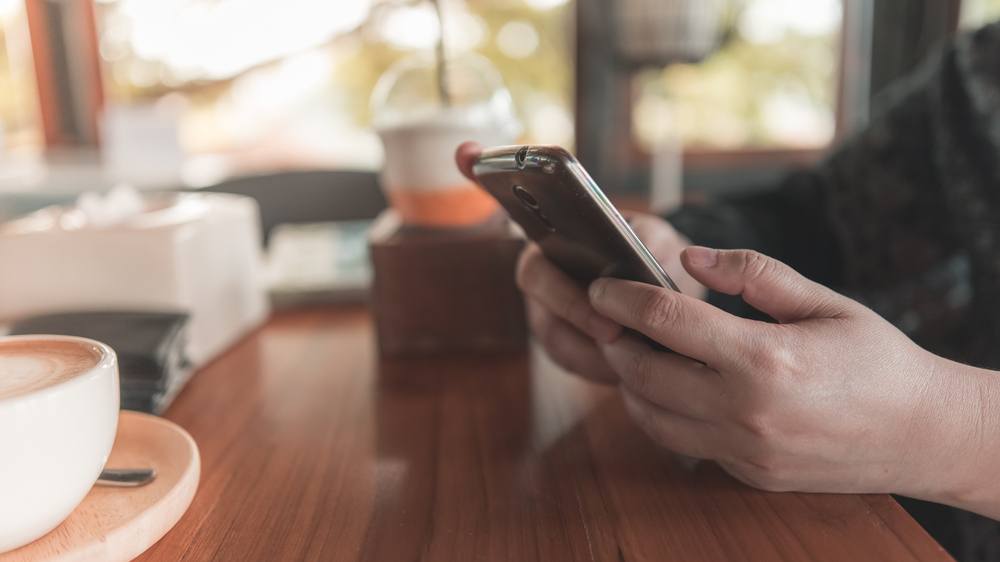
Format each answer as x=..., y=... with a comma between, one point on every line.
x=446, y=290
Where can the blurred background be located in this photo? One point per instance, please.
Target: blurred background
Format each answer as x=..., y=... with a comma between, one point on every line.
x=711, y=95
x=258, y=117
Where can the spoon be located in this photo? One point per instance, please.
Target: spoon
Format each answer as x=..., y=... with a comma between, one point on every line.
x=126, y=477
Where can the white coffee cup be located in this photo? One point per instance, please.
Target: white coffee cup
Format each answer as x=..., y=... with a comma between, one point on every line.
x=58, y=418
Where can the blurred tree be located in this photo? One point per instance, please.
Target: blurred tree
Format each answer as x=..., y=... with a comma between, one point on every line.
x=772, y=84
x=529, y=41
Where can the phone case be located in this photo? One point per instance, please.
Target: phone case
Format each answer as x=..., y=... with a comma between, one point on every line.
x=559, y=206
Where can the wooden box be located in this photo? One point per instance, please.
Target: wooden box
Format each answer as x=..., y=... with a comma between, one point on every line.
x=446, y=290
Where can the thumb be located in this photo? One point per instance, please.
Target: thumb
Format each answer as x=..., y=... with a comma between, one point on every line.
x=764, y=283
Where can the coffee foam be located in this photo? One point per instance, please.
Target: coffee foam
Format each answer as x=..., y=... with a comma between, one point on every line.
x=33, y=364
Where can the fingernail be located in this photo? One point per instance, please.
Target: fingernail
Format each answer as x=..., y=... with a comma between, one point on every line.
x=597, y=288
x=700, y=256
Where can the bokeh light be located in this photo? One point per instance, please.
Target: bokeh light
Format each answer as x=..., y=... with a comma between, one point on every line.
x=517, y=39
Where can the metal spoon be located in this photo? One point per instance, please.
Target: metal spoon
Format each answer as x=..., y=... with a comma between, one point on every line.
x=126, y=477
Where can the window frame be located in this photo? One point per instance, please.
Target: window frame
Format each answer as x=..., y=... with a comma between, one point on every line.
x=636, y=157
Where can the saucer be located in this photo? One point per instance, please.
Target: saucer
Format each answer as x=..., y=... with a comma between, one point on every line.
x=118, y=524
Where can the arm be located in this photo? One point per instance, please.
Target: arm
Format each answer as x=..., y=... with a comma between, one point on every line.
x=969, y=479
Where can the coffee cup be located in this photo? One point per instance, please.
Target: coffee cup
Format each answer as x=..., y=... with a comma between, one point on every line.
x=58, y=419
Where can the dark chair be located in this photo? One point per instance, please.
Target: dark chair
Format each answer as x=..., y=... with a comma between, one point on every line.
x=309, y=196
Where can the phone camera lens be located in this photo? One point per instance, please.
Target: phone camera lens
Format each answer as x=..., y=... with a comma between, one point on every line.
x=527, y=199
x=521, y=156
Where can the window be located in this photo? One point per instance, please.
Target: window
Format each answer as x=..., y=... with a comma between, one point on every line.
x=978, y=12
x=20, y=127
x=771, y=85
x=285, y=84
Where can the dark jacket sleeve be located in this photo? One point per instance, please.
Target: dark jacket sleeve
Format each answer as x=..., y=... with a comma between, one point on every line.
x=790, y=223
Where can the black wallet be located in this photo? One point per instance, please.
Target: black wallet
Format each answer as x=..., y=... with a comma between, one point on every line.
x=150, y=348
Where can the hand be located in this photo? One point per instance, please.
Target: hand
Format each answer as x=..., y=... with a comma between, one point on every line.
x=832, y=399
x=560, y=315
x=558, y=311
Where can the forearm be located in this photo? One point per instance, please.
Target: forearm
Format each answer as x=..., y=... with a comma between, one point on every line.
x=961, y=439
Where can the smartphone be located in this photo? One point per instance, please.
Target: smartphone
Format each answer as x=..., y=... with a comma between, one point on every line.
x=559, y=206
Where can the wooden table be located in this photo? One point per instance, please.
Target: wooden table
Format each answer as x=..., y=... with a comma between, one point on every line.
x=312, y=449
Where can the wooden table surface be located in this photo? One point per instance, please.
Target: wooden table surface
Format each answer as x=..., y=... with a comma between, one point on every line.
x=313, y=449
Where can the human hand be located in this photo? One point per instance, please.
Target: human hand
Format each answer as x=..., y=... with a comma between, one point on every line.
x=833, y=398
x=558, y=310
x=561, y=316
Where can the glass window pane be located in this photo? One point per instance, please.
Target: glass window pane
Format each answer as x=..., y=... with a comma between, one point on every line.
x=772, y=84
x=979, y=12
x=20, y=122
x=297, y=94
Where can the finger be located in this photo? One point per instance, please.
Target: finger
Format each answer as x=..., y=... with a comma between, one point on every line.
x=675, y=432
x=544, y=282
x=672, y=382
x=684, y=324
x=568, y=347
x=465, y=157
x=764, y=283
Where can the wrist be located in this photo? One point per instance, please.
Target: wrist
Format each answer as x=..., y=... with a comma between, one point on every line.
x=963, y=439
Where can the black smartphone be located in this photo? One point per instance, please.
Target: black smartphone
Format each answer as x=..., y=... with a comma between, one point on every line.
x=559, y=206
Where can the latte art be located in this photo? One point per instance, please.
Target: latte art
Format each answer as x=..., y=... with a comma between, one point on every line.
x=27, y=366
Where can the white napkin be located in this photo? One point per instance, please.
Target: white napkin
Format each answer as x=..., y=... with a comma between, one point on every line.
x=119, y=204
